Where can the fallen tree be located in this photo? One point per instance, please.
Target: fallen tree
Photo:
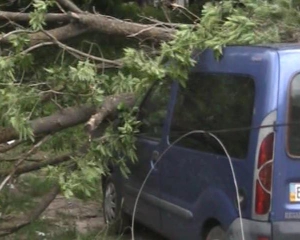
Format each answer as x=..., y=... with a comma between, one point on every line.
x=72, y=116
x=52, y=79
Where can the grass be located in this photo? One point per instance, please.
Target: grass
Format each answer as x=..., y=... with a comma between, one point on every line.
x=29, y=189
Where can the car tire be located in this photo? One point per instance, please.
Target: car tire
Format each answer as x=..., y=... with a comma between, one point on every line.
x=216, y=233
x=112, y=207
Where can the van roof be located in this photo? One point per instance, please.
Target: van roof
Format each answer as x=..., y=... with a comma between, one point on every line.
x=280, y=46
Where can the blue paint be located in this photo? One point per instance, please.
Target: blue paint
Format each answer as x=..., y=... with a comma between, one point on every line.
x=202, y=182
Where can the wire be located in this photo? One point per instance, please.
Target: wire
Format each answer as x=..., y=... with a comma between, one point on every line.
x=240, y=129
x=166, y=150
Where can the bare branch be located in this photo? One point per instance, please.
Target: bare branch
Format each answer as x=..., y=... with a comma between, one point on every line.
x=60, y=7
x=143, y=30
x=22, y=159
x=76, y=51
x=4, y=37
x=70, y=5
x=36, y=46
x=164, y=24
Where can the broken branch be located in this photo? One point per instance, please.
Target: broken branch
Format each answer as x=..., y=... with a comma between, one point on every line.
x=109, y=106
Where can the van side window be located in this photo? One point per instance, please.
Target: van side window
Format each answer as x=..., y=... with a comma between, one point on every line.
x=153, y=111
x=214, y=102
x=294, y=118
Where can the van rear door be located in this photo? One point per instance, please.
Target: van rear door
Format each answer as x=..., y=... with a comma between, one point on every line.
x=285, y=213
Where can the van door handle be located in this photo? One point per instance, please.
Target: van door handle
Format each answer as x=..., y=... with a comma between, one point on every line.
x=154, y=159
x=155, y=156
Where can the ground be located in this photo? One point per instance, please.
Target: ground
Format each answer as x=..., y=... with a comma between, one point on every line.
x=74, y=219
x=87, y=217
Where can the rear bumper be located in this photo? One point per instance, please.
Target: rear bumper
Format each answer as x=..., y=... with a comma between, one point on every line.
x=252, y=230
x=286, y=231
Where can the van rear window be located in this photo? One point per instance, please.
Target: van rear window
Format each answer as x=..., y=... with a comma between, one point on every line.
x=294, y=119
x=214, y=101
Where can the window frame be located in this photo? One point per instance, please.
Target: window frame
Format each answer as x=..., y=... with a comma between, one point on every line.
x=288, y=117
x=143, y=101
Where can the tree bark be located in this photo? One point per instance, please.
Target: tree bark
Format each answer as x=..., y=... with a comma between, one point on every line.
x=114, y=26
x=62, y=33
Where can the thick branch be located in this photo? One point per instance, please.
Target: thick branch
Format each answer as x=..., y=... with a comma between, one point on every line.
x=10, y=226
x=65, y=118
x=70, y=117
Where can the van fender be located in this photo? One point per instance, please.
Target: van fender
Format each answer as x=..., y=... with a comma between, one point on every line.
x=215, y=204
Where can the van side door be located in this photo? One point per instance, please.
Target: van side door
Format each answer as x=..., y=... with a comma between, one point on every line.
x=150, y=139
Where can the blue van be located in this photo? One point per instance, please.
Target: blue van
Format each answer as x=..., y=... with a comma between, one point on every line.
x=250, y=100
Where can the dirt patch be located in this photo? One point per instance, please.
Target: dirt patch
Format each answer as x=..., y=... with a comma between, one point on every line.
x=87, y=216
x=83, y=216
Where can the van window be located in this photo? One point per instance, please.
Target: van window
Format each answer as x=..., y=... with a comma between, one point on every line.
x=294, y=120
x=153, y=111
x=214, y=102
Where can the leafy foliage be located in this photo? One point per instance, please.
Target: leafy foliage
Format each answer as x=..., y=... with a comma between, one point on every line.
x=37, y=16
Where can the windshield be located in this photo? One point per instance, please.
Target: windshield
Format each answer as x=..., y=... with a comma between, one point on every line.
x=294, y=119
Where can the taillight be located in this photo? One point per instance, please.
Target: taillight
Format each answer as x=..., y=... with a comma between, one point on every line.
x=264, y=178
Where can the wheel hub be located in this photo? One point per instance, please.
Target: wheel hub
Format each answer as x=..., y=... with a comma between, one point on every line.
x=110, y=203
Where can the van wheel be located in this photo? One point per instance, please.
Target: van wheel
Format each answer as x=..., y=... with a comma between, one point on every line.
x=216, y=233
x=112, y=207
